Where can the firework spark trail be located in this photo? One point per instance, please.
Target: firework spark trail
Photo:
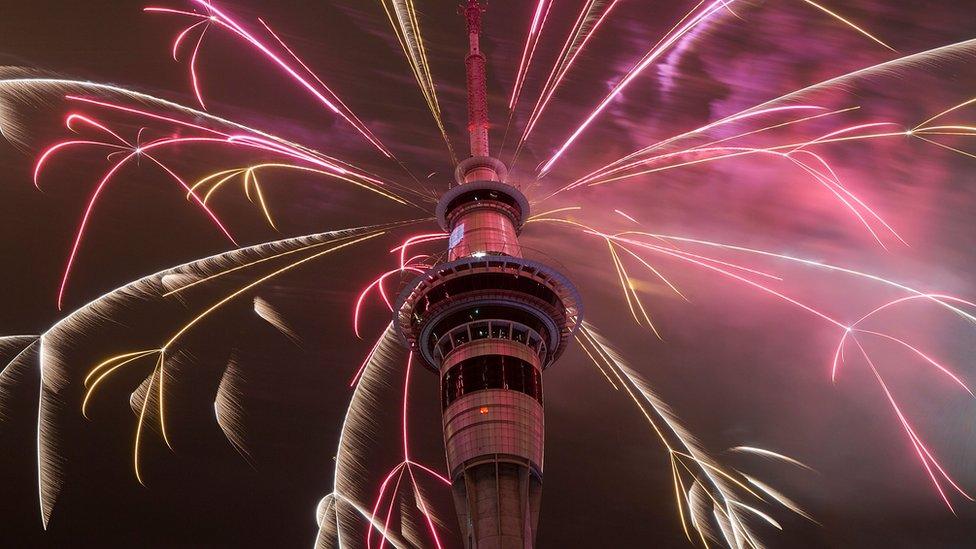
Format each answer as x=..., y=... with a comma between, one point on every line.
x=672, y=36
x=622, y=163
x=684, y=451
x=109, y=366
x=730, y=521
x=828, y=179
x=194, y=56
x=923, y=59
x=402, y=15
x=249, y=180
x=378, y=283
x=584, y=29
x=264, y=309
x=669, y=39
x=738, y=151
x=276, y=145
x=404, y=467
x=927, y=459
x=413, y=264
x=23, y=85
x=626, y=283
x=938, y=299
x=413, y=241
x=132, y=151
x=769, y=454
x=55, y=369
x=357, y=434
x=229, y=408
x=282, y=145
x=849, y=23
x=539, y=19
x=833, y=182
x=924, y=453
x=321, y=92
x=138, y=150
x=853, y=328
x=16, y=350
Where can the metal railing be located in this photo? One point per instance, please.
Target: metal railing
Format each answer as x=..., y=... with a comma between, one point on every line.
x=491, y=329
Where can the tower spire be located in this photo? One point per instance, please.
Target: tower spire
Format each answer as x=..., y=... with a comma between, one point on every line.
x=476, y=80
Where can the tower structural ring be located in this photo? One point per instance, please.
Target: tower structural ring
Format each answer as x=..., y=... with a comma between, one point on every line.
x=496, y=194
x=512, y=290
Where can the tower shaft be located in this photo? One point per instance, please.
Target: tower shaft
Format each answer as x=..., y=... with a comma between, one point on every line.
x=477, y=82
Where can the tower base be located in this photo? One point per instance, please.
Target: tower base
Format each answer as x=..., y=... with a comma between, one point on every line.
x=497, y=504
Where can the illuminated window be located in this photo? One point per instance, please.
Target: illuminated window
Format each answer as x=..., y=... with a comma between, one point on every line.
x=490, y=372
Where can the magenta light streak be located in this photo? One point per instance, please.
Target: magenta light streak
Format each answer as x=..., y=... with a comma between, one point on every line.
x=829, y=185
x=389, y=512
x=348, y=116
x=531, y=41
x=543, y=103
x=306, y=67
x=362, y=367
x=924, y=454
x=651, y=56
x=195, y=198
x=194, y=79
x=179, y=38
x=273, y=143
x=824, y=180
x=426, y=513
x=71, y=118
x=405, y=465
x=230, y=24
x=431, y=472
x=147, y=114
x=729, y=274
x=285, y=150
x=615, y=167
x=84, y=223
x=925, y=357
x=938, y=298
x=42, y=159
x=414, y=240
x=378, y=282
x=379, y=500
x=136, y=151
x=851, y=195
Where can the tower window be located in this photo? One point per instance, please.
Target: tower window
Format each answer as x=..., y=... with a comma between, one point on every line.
x=490, y=372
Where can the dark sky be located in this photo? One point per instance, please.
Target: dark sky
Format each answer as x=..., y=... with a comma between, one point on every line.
x=739, y=368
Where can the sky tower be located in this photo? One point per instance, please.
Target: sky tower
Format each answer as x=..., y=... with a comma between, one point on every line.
x=488, y=322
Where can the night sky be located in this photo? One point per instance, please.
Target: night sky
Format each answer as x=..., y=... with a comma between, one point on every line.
x=738, y=367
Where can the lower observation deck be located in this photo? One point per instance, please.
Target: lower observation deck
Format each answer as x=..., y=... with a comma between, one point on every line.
x=494, y=296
